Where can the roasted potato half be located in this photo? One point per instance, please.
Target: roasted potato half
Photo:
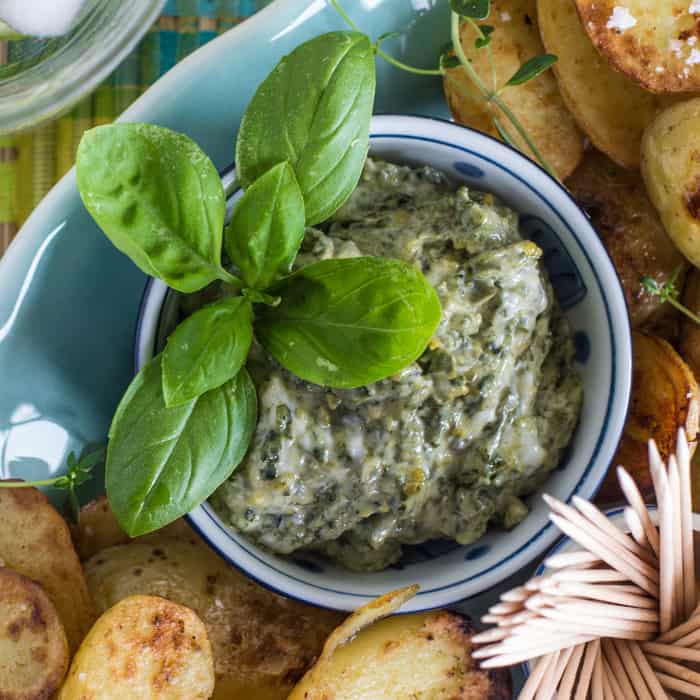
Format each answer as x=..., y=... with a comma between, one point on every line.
x=671, y=171
x=98, y=529
x=33, y=644
x=665, y=398
x=422, y=655
x=689, y=347
x=612, y=110
x=652, y=43
x=262, y=643
x=620, y=210
x=36, y=542
x=537, y=104
x=690, y=331
x=144, y=647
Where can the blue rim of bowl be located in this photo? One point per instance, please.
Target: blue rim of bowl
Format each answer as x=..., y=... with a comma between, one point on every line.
x=547, y=528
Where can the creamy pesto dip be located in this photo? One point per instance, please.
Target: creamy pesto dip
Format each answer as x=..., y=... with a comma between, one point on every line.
x=453, y=443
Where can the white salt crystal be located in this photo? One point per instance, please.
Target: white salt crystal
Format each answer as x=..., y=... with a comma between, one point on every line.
x=621, y=19
x=41, y=17
x=693, y=58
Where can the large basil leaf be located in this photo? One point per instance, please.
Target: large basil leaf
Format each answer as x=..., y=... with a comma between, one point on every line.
x=313, y=110
x=267, y=227
x=350, y=322
x=163, y=462
x=158, y=198
x=207, y=349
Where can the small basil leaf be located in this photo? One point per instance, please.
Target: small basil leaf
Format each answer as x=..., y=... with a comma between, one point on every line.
x=314, y=111
x=476, y=9
x=207, y=349
x=158, y=198
x=486, y=30
x=163, y=462
x=267, y=227
x=350, y=322
x=532, y=68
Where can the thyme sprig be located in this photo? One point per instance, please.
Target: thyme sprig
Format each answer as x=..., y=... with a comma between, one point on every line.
x=79, y=470
x=452, y=56
x=668, y=292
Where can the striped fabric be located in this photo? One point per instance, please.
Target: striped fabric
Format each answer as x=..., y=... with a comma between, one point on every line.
x=30, y=163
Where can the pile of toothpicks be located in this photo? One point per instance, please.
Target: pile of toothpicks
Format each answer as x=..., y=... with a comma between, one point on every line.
x=618, y=618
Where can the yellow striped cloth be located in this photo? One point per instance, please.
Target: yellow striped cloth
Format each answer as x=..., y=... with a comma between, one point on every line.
x=31, y=162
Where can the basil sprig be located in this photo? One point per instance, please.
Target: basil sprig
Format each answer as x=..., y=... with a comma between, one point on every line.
x=188, y=417
x=207, y=349
x=350, y=322
x=267, y=227
x=313, y=111
x=159, y=199
x=163, y=462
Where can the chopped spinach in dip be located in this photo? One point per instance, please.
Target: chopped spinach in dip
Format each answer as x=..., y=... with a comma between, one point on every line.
x=454, y=442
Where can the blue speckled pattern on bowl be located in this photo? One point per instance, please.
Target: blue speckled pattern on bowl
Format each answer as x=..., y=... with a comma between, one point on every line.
x=588, y=290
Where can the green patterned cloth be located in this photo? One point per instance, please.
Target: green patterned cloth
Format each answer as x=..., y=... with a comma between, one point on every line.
x=30, y=163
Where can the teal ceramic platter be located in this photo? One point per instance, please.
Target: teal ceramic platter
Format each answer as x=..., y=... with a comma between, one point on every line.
x=69, y=302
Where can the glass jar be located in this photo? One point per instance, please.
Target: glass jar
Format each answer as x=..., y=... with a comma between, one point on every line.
x=42, y=78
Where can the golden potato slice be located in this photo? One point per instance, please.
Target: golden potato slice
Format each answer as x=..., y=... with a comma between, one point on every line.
x=671, y=171
x=98, y=529
x=665, y=398
x=144, y=647
x=368, y=614
x=422, y=655
x=654, y=43
x=33, y=645
x=626, y=220
x=612, y=110
x=262, y=642
x=690, y=331
x=537, y=104
x=36, y=542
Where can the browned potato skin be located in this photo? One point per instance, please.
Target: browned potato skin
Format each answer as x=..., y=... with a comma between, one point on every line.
x=690, y=331
x=689, y=347
x=418, y=655
x=639, y=50
x=262, y=643
x=665, y=398
x=35, y=541
x=144, y=647
x=625, y=219
x=34, y=646
x=97, y=529
x=537, y=104
x=610, y=109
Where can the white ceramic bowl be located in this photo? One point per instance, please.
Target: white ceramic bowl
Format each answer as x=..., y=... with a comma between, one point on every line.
x=589, y=291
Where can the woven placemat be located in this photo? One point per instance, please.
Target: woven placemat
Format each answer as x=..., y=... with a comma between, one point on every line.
x=31, y=162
